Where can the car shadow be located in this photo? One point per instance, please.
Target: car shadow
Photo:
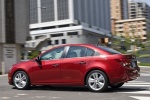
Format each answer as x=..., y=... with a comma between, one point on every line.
x=84, y=89
x=60, y=88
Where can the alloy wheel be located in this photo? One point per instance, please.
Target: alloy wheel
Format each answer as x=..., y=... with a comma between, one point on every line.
x=21, y=80
x=97, y=81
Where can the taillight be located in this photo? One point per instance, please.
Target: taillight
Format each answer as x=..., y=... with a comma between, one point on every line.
x=123, y=62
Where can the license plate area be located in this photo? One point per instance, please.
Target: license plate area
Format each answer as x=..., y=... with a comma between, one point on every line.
x=134, y=63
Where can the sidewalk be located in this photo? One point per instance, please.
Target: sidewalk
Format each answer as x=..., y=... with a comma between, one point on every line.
x=3, y=75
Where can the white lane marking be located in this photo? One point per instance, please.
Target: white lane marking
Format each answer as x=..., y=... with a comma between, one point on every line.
x=22, y=94
x=40, y=97
x=132, y=85
x=145, y=74
x=54, y=97
x=43, y=97
x=16, y=96
x=4, y=97
x=140, y=97
x=135, y=81
x=138, y=92
x=138, y=83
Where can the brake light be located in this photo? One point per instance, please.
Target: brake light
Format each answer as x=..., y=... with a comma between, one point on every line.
x=122, y=62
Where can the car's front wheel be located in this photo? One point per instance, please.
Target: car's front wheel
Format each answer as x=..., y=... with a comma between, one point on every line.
x=21, y=80
x=97, y=81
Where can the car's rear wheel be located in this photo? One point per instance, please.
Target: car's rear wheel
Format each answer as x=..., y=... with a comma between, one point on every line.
x=21, y=80
x=97, y=81
x=116, y=85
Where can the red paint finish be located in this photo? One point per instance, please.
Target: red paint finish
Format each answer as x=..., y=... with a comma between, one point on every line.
x=73, y=71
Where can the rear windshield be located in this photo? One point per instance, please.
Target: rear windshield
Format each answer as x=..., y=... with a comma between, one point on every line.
x=109, y=50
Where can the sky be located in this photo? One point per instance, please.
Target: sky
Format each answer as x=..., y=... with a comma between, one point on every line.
x=147, y=1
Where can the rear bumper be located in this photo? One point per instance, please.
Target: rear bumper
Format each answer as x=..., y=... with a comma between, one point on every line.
x=126, y=74
x=133, y=74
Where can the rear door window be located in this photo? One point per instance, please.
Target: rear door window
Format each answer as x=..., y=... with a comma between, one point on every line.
x=89, y=52
x=109, y=50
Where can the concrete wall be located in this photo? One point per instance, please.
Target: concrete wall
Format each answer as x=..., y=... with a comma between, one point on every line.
x=93, y=12
x=10, y=53
x=21, y=20
x=2, y=22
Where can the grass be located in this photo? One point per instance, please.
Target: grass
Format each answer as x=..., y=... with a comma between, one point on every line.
x=144, y=55
x=144, y=64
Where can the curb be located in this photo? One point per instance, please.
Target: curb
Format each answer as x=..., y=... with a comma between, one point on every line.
x=145, y=66
x=3, y=75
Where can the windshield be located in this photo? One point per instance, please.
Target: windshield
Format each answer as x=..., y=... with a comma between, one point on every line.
x=109, y=50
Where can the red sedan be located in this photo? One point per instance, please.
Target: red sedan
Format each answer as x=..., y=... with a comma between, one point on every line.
x=96, y=67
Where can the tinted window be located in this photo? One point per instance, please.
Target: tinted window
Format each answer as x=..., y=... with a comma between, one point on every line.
x=76, y=51
x=89, y=52
x=109, y=50
x=53, y=54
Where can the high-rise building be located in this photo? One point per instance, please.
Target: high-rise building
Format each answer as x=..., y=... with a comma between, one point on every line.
x=137, y=28
x=14, y=28
x=139, y=10
x=54, y=22
x=119, y=9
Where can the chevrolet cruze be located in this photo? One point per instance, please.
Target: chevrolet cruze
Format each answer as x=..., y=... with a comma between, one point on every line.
x=96, y=67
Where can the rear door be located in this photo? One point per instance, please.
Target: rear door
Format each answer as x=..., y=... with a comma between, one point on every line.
x=75, y=63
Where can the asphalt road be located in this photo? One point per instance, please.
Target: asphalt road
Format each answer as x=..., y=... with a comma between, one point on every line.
x=135, y=90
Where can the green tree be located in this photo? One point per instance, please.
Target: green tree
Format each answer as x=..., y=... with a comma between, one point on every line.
x=33, y=54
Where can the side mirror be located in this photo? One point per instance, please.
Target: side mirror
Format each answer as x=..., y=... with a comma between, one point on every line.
x=38, y=60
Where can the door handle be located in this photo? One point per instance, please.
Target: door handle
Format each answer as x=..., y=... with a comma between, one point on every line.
x=55, y=65
x=82, y=63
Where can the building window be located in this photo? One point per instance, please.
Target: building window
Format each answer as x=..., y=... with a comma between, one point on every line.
x=33, y=12
x=72, y=33
x=10, y=21
x=57, y=35
x=50, y=42
x=56, y=42
x=63, y=11
x=63, y=41
x=47, y=10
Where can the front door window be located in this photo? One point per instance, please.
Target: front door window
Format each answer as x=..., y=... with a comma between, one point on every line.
x=53, y=54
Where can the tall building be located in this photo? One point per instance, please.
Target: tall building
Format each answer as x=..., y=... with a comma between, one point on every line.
x=137, y=28
x=139, y=10
x=119, y=11
x=14, y=28
x=55, y=22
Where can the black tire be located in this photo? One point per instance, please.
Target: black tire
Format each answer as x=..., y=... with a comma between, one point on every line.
x=116, y=85
x=21, y=80
x=97, y=82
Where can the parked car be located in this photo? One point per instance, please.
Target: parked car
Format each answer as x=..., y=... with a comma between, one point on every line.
x=96, y=67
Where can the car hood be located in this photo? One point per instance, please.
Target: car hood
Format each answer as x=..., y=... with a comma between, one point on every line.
x=24, y=63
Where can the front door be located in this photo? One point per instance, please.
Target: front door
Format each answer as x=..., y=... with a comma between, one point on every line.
x=49, y=71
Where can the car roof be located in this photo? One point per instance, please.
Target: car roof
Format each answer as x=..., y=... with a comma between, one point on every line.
x=92, y=46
